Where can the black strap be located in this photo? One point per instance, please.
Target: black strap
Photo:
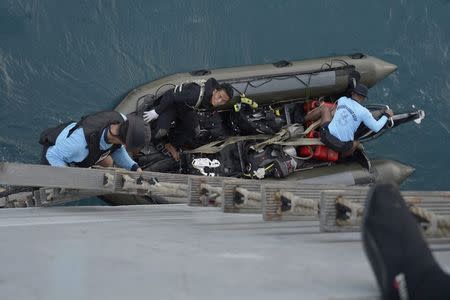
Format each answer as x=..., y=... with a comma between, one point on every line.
x=73, y=129
x=386, y=114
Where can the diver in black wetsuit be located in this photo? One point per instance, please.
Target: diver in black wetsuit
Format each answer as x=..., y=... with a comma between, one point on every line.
x=191, y=107
x=400, y=258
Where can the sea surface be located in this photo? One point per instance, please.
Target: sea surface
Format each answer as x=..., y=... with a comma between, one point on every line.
x=61, y=59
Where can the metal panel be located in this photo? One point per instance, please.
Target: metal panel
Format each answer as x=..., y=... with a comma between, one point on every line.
x=102, y=181
x=48, y=176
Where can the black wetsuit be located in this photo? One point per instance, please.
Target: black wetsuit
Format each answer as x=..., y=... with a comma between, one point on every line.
x=182, y=124
x=193, y=126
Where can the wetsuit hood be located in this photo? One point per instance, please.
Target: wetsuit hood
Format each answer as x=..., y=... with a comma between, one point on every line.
x=210, y=85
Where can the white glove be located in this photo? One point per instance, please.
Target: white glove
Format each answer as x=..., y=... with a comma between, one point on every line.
x=150, y=115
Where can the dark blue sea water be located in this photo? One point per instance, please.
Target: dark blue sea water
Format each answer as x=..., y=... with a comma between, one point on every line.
x=62, y=59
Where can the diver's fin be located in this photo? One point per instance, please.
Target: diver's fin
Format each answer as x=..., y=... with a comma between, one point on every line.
x=400, y=258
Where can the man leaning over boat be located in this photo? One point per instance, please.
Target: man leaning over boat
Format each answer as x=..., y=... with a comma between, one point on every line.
x=337, y=132
x=101, y=138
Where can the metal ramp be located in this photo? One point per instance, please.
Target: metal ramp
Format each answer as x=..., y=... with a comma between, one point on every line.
x=340, y=207
x=268, y=226
x=55, y=185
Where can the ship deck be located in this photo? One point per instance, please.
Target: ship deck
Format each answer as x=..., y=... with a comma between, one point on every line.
x=178, y=252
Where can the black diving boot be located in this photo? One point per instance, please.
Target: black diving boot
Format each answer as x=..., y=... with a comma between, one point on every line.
x=400, y=258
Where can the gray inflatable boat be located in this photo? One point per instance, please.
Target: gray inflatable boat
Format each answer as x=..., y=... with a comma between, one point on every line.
x=287, y=82
x=283, y=81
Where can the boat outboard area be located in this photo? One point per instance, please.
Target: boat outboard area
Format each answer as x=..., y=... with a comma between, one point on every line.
x=264, y=133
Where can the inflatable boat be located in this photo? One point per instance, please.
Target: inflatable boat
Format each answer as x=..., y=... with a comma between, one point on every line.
x=284, y=88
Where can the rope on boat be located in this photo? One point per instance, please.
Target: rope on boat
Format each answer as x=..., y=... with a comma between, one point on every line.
x=298, y=205
x=284, y=136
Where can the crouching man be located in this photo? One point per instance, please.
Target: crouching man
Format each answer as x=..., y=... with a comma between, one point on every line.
x=337, y=132
x=101, y=138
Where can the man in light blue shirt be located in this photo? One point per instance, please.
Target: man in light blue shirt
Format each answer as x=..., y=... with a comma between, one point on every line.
x=98, y=139
x=337, y=132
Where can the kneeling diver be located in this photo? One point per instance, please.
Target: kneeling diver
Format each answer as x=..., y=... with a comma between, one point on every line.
x=186, y=117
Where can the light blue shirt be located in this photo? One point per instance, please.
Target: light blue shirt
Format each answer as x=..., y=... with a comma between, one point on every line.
x=73, y=149
x=347, y=118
